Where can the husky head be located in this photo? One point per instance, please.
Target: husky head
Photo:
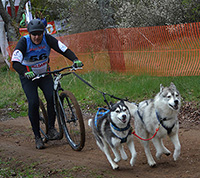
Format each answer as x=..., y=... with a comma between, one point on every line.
x=171, y=96
x=119, y=114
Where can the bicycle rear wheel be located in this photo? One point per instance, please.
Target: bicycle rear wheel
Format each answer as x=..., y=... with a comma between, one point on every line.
x=72, y=119
x=43, y=120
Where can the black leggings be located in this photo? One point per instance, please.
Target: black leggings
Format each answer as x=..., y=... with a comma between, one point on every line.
x=31, y=90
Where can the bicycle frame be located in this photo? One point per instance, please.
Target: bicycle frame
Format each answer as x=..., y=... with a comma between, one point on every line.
x=67, y=110
x=57, y=102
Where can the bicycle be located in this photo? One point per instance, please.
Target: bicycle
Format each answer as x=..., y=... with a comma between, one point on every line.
x=68, y=113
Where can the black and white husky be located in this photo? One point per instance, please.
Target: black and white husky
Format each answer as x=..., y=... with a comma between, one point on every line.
x=112, y=128
x=163, y=111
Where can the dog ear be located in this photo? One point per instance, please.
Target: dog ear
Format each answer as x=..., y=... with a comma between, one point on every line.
x=172, y=85
x=122, y=101
x=161, y=88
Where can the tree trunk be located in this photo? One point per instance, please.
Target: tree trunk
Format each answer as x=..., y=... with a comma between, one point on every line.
x=12, y=31
x=115, y=52
x=12, y=23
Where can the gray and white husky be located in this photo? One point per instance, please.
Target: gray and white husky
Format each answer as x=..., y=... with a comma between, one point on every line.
x=163, y=111
x=111, y=128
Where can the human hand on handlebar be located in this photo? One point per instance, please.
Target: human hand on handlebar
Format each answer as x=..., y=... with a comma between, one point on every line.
x=77, y=63
x=29, y=75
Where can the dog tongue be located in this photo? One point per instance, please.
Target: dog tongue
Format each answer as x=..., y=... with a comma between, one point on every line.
x=176, y=107
x=123, y=120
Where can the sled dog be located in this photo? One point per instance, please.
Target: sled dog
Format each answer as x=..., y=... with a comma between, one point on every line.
x=163, y=111
x=111, y=128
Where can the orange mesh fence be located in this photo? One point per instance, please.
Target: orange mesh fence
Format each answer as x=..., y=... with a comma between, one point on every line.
x=162, y=50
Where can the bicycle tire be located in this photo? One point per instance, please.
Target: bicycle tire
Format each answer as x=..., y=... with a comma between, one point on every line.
x=43, y=120
x=74, y=129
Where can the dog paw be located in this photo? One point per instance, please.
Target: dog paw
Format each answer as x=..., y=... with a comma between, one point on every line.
x=158, y=155
x=176, y=154
x=115, y=166
x=124, y=157
x=167, y=154
x=152, y=164
x=132, y=161
x=117, y=159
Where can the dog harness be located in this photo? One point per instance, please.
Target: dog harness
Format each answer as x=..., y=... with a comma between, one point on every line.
x=141, y=118
x=138, y=112
x=123, y=140
x=100, y=113
x=160, y=120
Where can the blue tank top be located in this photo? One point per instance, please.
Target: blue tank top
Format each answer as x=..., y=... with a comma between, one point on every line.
x=37, y=56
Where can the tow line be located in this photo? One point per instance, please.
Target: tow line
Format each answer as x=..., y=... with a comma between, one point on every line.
x=147, y=138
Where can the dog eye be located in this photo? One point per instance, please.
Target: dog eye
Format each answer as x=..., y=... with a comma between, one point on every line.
x=169, y=96
x=117, y=111
x=124, y=109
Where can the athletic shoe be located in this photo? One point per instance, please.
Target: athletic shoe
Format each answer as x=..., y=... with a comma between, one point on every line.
x=39, y=143
x=53, y=134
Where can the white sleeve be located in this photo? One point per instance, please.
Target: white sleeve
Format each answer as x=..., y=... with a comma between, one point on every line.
x=17, y=56
x=61, y=46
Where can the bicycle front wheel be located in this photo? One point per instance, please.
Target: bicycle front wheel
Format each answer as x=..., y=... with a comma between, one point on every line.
x=72, y=119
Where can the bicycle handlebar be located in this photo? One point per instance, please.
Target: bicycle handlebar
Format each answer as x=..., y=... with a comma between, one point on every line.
x=55, y=71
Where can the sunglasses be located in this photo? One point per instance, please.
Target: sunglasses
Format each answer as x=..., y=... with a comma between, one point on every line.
x=36, y=33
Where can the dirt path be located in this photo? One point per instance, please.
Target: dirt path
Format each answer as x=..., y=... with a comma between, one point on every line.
x=17, y=143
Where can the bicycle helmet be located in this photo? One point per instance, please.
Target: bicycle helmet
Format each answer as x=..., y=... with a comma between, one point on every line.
x=35, y=25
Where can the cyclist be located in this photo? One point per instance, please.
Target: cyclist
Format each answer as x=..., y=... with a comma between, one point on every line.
x=31, y=57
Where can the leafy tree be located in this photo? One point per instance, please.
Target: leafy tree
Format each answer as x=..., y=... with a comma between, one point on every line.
x=85, y=16
x=150, y=13
x=192, y=10
x=12, y=22
x=52, y=9
x=40, y=6
x=99, y=14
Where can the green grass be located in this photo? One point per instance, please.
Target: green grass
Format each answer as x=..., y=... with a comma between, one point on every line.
x=135, y=88
x=11, y=93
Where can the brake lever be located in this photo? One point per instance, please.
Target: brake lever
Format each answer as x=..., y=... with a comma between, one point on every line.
x=75, y=68
x=38, y=77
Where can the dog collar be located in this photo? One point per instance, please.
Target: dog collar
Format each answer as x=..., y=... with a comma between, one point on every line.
x=119, y=129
